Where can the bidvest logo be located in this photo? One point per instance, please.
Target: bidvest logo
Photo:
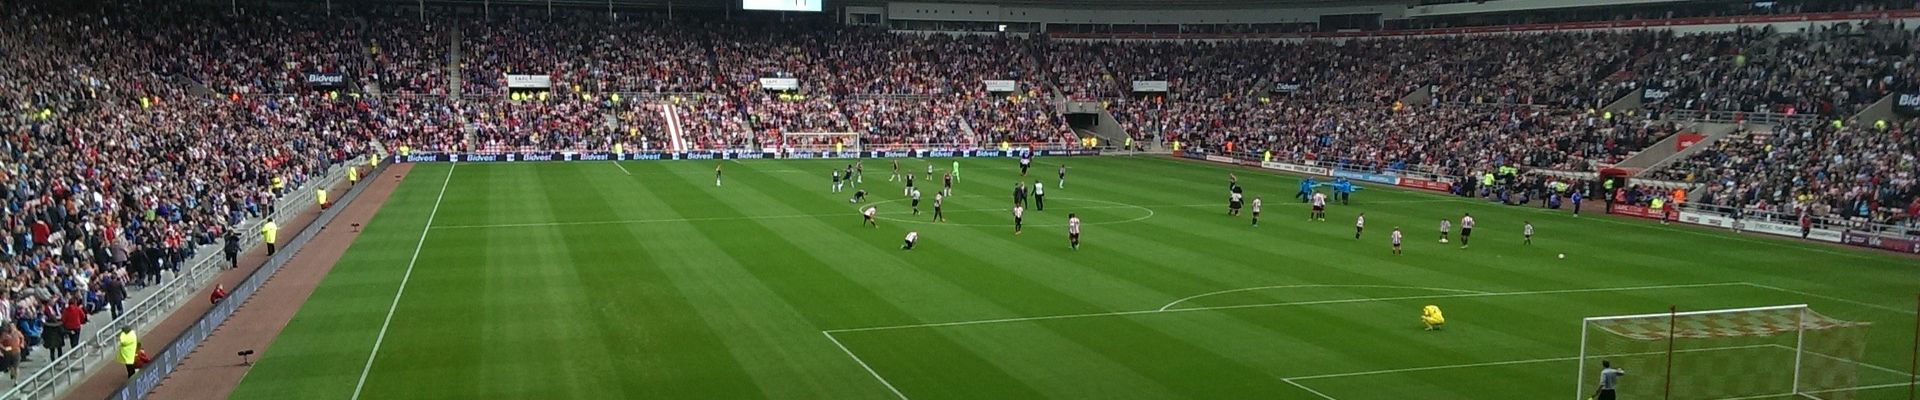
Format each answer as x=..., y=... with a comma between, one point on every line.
x=596, y=157
x=537, y=157
x=1910, y=100
x=1657, y=94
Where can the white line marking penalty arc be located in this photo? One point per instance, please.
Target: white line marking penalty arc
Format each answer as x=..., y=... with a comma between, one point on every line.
x=1185, y=299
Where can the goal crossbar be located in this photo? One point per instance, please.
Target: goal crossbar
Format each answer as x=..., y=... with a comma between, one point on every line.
x=1694, y=313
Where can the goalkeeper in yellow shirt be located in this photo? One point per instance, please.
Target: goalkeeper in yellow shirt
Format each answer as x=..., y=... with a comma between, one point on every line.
x=1431, y=316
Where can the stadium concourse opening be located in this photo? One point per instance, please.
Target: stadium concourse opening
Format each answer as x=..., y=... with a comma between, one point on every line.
x=1070, y=199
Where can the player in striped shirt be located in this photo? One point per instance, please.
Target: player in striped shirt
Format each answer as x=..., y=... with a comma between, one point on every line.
x=1233, y=204
x=1446, y=227
x=912, y=236
x=1528, y=231
x=1256, y=211
x=937, y=216
x=1396, y=240
x=868, y=214
x=1319, y=207
x=1466, y=229
x=916, y=202
x=1359, y=224
x=1018, y=212
x=836, y=181
x=1073, y=230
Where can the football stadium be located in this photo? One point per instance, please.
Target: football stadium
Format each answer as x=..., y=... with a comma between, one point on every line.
x=1071, y=199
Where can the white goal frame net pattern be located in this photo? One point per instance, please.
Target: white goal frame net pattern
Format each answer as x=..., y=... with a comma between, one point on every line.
x=1788, y=351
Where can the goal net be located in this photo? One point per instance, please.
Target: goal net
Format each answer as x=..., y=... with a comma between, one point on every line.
x=1763, y=352
x=820, y=142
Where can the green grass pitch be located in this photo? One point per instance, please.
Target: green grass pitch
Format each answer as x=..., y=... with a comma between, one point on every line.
x=644, y=280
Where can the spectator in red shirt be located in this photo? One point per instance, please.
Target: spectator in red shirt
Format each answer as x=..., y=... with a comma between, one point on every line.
x=219, y=293
x=73, y=317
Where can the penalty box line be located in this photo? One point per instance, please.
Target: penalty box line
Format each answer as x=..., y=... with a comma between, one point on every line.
x=897, y=393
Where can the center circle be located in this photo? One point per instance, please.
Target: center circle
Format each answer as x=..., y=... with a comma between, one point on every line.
x=1108, y=204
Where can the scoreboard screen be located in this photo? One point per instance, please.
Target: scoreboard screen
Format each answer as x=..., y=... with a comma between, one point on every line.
x=781, y=5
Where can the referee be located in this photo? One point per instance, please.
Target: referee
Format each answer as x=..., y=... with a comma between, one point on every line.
x=1609, y=376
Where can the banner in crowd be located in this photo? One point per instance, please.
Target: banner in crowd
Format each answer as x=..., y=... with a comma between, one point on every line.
x=1654, y=91
x=529, y=81
x=779, y=83
x=326, y=80
x=1439, y=186
x=1907, y=104
x=1883, y=242
x=1001, y=86
x=724, y=155
x=1636, y=211
x=1389, y=179
x=1688, y=140
x=1286, y=87
x=1296, y=168
x=1150, y=86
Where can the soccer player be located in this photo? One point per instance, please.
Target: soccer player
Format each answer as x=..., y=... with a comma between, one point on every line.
x=937, y=216
x=1073, y=230
x=836, y=181
x=946, y=184
x=1039, y=196
x=868, y=214
x=896, y=172
x=916, y=202
x=909, y=188
x=1233, y=204
x=1431, y=316
x=848, y=175
x=716, y=175
x=1466, y=229
x=1026, y=160
x=1528, y=230
x=1319, y=207
x=858, y=196
x=929, y=170
x=956, y=169
x=912, y=236
x=1446, y=227
x=1256, y=211
x=1018, y=212
x=1609, y=378
x=1233, y=181
x=1359, y=224
x=859, y=172
x=1063, y=176
x=1396, y=240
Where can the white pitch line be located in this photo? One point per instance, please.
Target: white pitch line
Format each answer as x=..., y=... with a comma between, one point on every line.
x=1516, y=362
x=1176, y=302
x=1822, y=296
x=759, y=217
x=1290, y=381
x=1297, y=303
x=382, y=337
x=623, y=168
x=1902, y=374
x=863, y=365
x=1867, y=387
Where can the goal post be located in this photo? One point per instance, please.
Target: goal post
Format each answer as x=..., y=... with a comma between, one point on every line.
x=1788, y=350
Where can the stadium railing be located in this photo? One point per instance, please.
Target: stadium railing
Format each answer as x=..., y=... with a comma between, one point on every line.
x=170, y=356
x=1728, y=117
x=1831, y=229
x=97, y=347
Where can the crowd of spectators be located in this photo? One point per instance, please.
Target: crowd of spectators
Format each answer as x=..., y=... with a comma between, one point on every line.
x=1851, y=171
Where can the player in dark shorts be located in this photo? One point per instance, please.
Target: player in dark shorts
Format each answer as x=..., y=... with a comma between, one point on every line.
x=946, y=187
x=916, y=202
x=1233, y=204
x=937, y=216
x=1026, y=160
x=1073, y=230
x=858, y=196
x=1063, y=177
x=909, y=188
x=716, y=175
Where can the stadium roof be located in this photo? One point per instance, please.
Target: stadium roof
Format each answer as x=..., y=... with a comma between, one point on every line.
x=1109, y=4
